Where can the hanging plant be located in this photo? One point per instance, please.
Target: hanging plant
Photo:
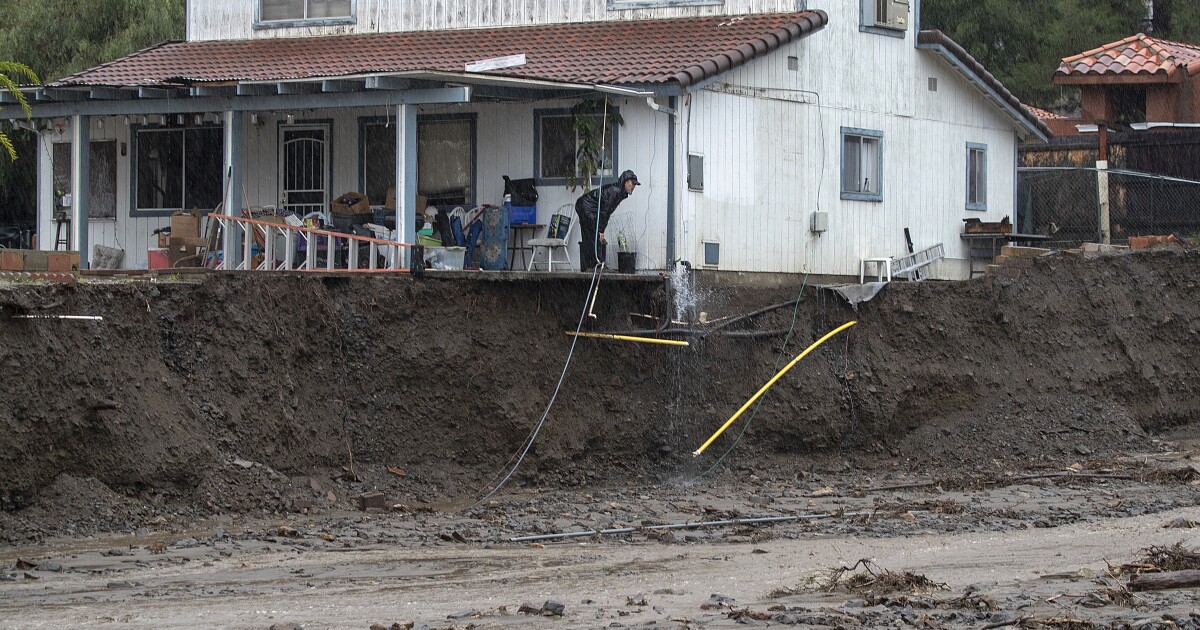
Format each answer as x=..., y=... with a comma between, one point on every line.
x=593, y=122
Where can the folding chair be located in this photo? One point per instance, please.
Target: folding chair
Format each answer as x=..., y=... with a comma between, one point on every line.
x=556, y=239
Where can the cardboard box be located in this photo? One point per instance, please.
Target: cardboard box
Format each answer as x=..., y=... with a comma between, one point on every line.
x=422, y=201
x=181, y=242
x=164, y=240
x=185, y=224
x=351, y=203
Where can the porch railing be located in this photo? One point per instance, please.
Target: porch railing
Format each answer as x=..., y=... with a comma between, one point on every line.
x=322, y=250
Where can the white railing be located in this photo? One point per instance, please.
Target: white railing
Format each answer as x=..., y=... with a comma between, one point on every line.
x=342, y=252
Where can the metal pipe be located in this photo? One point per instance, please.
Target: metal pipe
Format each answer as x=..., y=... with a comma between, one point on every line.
x=689, y=525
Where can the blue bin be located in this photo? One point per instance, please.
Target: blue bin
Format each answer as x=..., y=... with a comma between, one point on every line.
x=521, y=214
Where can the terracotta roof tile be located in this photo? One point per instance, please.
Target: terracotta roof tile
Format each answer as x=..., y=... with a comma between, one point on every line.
x=684, y=50
x=1045, y=115
x=1138, y=55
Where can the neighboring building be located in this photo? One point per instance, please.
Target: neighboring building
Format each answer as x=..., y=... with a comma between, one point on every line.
x=1146, y=92
x=742, y=119
x=1138, y=83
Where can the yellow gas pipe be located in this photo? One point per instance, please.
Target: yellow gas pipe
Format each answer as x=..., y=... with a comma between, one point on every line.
x=664, y=342
x=771, y=382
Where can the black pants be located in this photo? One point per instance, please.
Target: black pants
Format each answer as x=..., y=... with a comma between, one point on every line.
x=590, y=251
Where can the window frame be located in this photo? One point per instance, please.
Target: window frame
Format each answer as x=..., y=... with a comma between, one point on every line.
x=134, y=130
x=625, y=5
x=471, y=117
x=981, y=206
x=538, y=116
x=867, y=22
x=861, y=133
x=260, y=23
x=93, y=175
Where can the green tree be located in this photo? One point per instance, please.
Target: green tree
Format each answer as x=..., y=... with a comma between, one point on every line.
x=1177, y=20
x=56, y=38
x=1022, y=43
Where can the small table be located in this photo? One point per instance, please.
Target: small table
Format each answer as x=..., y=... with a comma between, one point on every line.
x=985, y=246
x=521, y=233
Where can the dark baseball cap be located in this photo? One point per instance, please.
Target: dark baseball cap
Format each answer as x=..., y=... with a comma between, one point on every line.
x=630, y=176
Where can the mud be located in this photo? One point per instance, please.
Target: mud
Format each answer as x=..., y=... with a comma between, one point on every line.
x=211, y=411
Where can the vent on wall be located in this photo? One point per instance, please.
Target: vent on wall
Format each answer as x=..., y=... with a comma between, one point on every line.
x=891, y=14
x=712, y=254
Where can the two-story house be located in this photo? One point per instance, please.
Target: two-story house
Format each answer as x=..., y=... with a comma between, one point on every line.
x=777, y=136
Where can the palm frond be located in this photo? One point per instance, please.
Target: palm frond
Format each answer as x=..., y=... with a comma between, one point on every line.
x=10, y=73
x=8, y=146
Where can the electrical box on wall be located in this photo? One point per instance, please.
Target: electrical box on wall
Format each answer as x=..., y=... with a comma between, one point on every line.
x=819, y=222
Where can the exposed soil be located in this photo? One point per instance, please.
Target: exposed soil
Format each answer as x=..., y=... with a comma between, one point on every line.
x=202, y=414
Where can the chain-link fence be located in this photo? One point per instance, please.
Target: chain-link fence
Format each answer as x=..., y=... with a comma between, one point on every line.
x=1065, y=204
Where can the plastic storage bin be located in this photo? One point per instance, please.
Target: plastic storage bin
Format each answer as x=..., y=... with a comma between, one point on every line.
x=448, y=258
x=521, y=214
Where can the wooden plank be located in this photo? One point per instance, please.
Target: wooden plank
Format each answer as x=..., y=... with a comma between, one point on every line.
x=1164, y=581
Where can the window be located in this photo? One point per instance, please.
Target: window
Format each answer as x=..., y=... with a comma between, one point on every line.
x=177, y=168
x=445, y=159
x=102, y=176
x=273, y=13
x=884, y=17
x=976, y=177
x=1127, y=103
x=557, y=146
x=862, y=164
x=695, y=174
x=618, y=5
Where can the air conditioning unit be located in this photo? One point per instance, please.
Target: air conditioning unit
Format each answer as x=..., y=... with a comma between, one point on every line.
x=892, y=14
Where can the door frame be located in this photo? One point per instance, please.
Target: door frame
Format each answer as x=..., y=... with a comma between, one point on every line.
x=323, y=124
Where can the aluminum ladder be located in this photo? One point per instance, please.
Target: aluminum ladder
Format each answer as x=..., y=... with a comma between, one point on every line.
x=913, y=265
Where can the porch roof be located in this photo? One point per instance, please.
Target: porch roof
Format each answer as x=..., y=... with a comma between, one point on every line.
x=643, y=54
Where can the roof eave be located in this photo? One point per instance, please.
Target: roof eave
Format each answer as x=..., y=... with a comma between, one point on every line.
x=1115, y=78
x=961, y=60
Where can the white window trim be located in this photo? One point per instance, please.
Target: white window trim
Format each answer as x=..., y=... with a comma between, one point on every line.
x=259, y=23
x=983, y=184
x=854, y=195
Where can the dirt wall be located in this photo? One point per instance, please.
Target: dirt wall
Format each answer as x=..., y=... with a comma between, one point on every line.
x=447, y=377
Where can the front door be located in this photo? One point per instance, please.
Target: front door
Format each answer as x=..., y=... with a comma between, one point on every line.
x=303, y=168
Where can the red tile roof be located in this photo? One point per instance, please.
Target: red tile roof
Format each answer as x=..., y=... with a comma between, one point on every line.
x=1139, y=55
x=643, y=52
x=1045, y=115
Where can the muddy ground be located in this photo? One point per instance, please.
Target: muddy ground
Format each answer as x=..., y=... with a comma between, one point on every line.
x=194, y=459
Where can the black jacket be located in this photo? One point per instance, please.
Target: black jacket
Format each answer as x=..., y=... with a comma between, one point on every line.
x=602, y=201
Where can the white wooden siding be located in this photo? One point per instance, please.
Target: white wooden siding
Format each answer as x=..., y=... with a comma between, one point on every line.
x=234, y=19
x=770, y=148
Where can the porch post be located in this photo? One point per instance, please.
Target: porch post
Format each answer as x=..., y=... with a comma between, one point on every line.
x=81, y=140
x=406, y=173
x=672, y=150
x=233, y=186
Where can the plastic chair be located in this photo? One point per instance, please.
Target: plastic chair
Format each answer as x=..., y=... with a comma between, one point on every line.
x=551, y=244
